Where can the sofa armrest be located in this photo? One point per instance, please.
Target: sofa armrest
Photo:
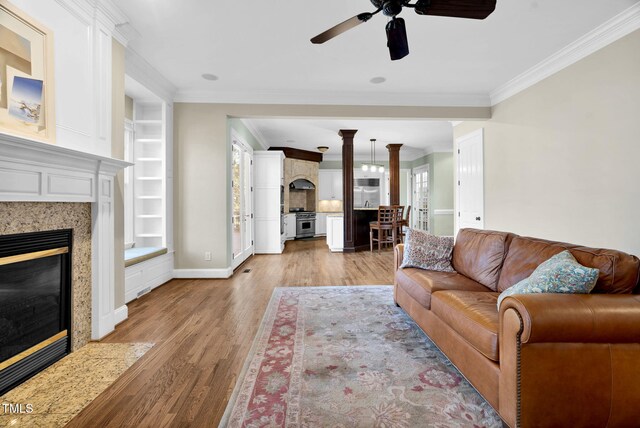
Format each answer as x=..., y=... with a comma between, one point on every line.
x=398, y=253
x=573, y=355
x=585, y=318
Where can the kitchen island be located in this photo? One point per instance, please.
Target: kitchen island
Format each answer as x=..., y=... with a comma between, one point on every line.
x=335, y=232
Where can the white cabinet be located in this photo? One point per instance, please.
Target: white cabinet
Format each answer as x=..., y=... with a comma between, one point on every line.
x=329, y=184
x=335, y=233
x=321, y=224
x=267, y=170
x=290, y=226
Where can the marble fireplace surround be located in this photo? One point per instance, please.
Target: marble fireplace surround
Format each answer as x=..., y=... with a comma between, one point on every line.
x=45, y=174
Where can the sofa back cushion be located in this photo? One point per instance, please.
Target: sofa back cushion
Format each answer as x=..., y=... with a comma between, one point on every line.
x=619, y=272
x=479, y=254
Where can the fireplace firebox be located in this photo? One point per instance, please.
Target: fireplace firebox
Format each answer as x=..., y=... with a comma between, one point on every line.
x=35, y=303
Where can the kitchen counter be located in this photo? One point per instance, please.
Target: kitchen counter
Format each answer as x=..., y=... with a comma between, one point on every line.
x=366, y=209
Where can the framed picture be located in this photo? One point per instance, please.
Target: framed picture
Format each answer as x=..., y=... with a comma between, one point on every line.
x=26, y=76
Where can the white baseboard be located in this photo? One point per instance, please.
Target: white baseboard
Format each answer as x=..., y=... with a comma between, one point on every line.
x=121, y=314
x=203, y=273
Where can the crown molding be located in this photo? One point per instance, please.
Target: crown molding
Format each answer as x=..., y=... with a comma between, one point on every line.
x=139, y=69
x=607, y=33
x=256, y=133
x=334, y=98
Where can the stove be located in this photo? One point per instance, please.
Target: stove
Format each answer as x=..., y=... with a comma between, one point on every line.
x=305, y=224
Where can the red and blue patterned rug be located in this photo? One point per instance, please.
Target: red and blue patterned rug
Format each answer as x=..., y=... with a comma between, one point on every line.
x=348, y=357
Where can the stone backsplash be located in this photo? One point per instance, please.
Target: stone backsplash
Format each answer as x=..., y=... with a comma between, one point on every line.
x=23, y=217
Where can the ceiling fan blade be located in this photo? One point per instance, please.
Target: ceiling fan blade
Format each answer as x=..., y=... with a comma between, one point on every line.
x=341, y=28
x=473, y=9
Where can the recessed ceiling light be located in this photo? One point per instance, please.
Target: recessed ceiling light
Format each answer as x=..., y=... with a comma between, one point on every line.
x=379, y=79
x=209, y=76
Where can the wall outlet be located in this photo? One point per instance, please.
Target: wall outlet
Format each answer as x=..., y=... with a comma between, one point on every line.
x=207, y=256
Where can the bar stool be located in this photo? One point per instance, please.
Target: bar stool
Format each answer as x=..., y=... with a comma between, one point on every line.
x=405, y=224
x=389, y=217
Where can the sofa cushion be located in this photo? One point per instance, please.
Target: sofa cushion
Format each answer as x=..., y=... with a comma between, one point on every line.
x=420, y=284
x=619, y=272
x=560, y=274
x=479, y=254
x=425, y=251
x=471, y=314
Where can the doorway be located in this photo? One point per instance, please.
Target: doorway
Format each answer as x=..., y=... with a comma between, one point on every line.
x=242, y=200
x=421, y=198
x=470, y=181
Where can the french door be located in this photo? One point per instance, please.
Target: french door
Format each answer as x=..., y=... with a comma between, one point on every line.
x=242, y=201
x=420, y=209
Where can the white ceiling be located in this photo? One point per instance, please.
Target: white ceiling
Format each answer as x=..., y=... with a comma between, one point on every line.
x=261, y=52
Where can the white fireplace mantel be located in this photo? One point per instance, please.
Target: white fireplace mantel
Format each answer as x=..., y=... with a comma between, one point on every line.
x=31, y=171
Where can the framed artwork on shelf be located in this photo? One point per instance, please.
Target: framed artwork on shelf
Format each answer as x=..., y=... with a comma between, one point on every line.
x=27, y=107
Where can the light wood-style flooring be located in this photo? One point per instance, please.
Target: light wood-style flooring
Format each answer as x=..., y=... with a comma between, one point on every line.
x=203, y=330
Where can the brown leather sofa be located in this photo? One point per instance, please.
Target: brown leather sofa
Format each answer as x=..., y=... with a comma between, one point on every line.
x=544, y=359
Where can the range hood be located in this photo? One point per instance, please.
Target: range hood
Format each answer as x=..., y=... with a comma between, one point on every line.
x=301, y=184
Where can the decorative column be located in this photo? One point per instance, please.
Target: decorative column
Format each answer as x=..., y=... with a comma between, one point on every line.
x=347, y=188
x=394, y=173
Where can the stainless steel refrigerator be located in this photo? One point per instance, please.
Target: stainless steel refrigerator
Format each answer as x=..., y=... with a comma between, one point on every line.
x=366, y=193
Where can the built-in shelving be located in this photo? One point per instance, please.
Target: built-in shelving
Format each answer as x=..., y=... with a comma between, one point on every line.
x=150, y=189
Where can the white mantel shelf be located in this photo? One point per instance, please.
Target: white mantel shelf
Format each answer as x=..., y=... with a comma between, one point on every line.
x=35, y=171
x=32, y=171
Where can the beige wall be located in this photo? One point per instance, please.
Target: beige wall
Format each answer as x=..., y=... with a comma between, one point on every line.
x=202, y=174
x=117, y=151
x=561, y=158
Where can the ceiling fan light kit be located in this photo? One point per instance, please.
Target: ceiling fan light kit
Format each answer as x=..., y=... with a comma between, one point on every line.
x=397, y=39
x=396, y=29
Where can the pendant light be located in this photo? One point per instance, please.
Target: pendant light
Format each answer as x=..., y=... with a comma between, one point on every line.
x=373, y=166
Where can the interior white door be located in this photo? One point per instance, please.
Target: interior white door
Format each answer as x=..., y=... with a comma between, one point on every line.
x=470, y=186
x=242, y=206
x=420, y=211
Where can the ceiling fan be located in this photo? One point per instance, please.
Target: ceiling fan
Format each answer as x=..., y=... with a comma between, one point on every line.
x=396, y=30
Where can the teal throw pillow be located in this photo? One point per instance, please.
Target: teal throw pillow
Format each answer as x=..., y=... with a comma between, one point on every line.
x=560, y=274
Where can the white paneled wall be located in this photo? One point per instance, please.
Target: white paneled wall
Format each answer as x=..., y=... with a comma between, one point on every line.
x=82, y=34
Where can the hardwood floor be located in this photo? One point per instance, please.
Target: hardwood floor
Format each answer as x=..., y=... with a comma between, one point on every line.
x=203, y=330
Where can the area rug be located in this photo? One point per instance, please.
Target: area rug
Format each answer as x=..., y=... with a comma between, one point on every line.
x=56, y=395
x=348, y=357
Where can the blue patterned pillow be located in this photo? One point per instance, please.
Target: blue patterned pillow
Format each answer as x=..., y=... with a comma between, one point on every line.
x=560, y=274
x=425, y=251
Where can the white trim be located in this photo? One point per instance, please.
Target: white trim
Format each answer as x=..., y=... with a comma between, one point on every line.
x=121, y=314
x=334, y=98
x=256, y=133
x=607, y=33
x=203, y=273
x=139, y=69
x=443, y=212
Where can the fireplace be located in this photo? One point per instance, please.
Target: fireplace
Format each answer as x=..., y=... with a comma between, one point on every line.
x=35, y=303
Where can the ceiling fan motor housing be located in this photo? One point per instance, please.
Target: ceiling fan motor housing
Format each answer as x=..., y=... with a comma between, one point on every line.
x=390, y=7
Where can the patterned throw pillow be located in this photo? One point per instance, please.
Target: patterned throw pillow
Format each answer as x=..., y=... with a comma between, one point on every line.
x=560, y=274
x=425, y=251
